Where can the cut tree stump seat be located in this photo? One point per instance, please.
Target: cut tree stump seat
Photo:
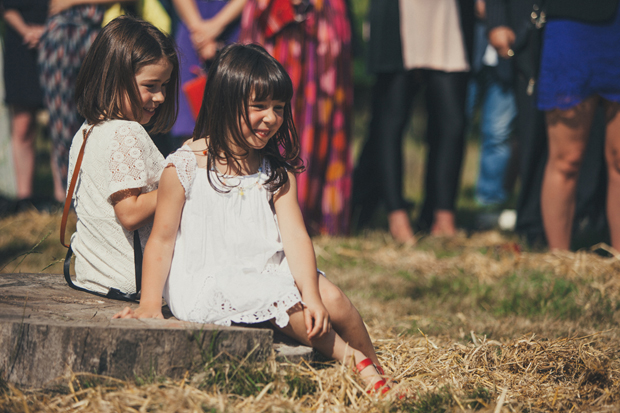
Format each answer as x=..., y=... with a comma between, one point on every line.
x=48, y=330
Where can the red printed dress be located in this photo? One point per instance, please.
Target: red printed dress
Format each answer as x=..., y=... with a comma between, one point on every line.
x=314, y=46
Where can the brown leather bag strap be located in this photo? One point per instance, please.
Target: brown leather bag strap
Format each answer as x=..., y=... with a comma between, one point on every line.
x=76, y=170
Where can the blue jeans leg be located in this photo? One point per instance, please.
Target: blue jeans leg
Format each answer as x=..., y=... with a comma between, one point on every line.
x=497, y=121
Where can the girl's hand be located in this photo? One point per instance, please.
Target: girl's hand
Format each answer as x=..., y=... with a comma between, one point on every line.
x=141, y=312
x=317, y=320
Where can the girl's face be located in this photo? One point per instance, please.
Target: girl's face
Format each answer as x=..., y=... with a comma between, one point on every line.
x=152, y=81
x=265, y=118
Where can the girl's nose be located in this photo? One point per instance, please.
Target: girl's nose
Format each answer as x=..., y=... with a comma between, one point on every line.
x=159, y=97
x=270, y=116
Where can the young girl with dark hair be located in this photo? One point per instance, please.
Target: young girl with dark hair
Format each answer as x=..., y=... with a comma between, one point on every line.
x=229, y=243
x=128, y=79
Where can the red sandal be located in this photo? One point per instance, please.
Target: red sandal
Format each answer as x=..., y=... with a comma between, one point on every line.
x=381, y=385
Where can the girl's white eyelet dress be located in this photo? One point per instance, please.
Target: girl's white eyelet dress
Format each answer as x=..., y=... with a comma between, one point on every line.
x=228, y=263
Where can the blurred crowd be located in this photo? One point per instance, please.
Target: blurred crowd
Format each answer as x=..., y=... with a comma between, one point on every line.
x=539, y=78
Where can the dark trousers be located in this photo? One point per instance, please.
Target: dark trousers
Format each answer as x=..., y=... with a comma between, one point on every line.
x=378, y=176
x=532, y=155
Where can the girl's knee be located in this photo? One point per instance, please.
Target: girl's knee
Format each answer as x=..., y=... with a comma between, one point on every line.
x=334, y=299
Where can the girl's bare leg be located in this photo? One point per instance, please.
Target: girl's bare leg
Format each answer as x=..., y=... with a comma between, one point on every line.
x=345, y=318
x=330, y=345
x=568, y=132
x=23, y=142
x=612, y=156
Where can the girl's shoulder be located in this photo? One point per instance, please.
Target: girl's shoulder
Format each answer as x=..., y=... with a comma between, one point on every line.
x=184, y=162
x=124, y=127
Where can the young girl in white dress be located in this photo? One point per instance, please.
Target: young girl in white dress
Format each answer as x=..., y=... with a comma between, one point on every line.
x=229, y=243
x=128, y=79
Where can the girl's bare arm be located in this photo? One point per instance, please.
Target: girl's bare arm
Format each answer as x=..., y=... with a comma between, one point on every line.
x=160, y=246
x=133, y=208
x=300, y=256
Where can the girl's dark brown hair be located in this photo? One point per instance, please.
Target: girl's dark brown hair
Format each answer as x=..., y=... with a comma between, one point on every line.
x=238, y=74
x=107, y=76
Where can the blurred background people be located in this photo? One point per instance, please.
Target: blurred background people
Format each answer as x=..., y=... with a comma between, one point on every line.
x=414, y=43
x=507, y=23
x=580, y=68
x=204, y=27
x=512, y=32
x=69, y=32
x=25, y=21
x=490, y=87
x=312, y=40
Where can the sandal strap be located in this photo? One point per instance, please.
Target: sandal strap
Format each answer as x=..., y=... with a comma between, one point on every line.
x=382, y=385
x=363, y=364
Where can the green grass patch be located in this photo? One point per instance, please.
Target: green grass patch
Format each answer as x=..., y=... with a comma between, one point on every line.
x=529, y=294
x=444, y=399
x=245, y=379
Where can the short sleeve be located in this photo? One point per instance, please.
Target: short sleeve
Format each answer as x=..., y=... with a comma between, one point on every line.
x=184, y=161
x=130, y=155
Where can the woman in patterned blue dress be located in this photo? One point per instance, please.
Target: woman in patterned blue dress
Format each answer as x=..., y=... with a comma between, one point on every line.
x=580, y=69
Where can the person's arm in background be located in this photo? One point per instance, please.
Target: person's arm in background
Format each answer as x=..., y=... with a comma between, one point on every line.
x=30, y=33
x=204, y=32
x=501, y=35
x=56, y=6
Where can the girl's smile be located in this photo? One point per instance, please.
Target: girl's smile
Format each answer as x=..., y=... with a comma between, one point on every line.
x=152, y=80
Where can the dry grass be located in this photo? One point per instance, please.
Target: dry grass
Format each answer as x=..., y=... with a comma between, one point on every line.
x=462, y=324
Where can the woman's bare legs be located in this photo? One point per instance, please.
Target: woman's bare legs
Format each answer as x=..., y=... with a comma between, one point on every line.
x=346, y=320
x=23, y=135
x=330, y=345
x=612, y=156
x=568, y=132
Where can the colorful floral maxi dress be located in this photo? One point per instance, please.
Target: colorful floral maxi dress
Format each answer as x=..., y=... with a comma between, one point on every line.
x=315, y=49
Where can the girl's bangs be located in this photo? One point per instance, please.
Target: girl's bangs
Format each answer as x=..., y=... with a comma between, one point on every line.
x=271, y=82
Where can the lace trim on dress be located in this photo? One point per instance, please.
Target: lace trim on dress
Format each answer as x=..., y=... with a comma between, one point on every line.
x=184, y=162
x=277, y=311
x=127, y=159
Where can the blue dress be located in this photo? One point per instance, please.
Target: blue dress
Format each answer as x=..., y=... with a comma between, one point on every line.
x=184, y=126
x=579, y=60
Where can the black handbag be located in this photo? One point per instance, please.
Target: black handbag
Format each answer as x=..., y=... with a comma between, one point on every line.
x=112, y=293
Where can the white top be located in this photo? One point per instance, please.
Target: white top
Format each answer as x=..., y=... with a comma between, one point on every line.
x=431, y=35
x=119, y=155
x=228, y=263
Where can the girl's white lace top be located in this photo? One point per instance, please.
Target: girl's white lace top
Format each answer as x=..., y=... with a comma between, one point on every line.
x=118, y=155
x=228, y=263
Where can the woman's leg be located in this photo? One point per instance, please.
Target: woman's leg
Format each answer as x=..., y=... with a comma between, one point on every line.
x=568, y=132
x=612, y=156
x=330, y=345
x=378, y=176
x=345, y=318
x=23, y=140
x=445, y=102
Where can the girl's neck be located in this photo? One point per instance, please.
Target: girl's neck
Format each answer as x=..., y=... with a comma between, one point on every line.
x=248, y=165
